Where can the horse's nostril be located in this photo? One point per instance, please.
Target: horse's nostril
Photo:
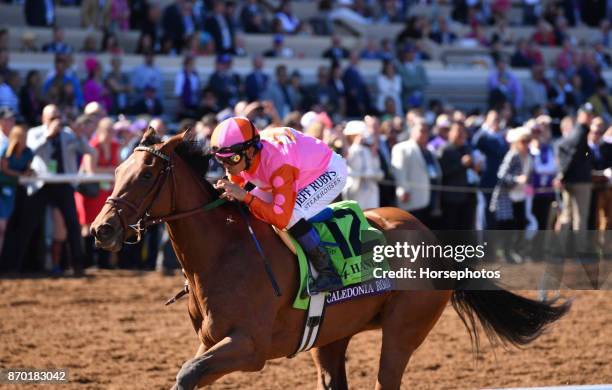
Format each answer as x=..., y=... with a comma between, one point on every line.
x=105, y=231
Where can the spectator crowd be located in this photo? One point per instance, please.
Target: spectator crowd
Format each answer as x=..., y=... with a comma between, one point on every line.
x=539, y=157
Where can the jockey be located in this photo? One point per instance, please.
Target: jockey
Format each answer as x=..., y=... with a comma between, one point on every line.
x=295, y=176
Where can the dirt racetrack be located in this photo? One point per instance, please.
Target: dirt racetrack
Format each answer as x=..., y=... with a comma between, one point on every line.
x=112, y=331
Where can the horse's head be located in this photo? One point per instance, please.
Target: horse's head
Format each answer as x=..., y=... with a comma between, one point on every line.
x=144, y=186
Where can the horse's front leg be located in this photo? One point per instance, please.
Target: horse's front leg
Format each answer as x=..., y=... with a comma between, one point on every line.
x=236, y=352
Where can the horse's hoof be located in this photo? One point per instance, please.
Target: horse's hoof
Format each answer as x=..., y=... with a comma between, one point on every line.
x=189, y=374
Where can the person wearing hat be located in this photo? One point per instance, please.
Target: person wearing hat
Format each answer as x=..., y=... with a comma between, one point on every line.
x=441, y=130
x=510, y=193
x=363, y=166
x=544, y=169
x=295, y=176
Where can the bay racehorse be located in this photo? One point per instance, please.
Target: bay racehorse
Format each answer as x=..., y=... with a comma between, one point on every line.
x=239, y=321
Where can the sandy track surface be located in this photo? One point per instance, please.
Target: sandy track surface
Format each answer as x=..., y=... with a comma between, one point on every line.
x=112, y=331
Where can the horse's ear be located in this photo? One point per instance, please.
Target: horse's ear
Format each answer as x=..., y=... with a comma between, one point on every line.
x=149, y=137
x=172, y=143
x=189, y=135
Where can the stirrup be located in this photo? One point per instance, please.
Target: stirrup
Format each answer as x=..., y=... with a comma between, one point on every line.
x=306, y=291
x=335, y=287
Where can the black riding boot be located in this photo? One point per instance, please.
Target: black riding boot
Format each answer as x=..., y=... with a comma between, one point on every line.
x=308, y=237
x=328, y=279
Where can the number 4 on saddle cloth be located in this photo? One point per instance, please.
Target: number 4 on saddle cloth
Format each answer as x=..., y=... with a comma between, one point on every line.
x=349, y=239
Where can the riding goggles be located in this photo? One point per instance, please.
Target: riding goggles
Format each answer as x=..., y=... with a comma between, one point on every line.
x=232, y=155
x=231, y=160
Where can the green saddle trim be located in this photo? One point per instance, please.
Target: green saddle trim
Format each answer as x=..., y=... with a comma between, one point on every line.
x=351, y=241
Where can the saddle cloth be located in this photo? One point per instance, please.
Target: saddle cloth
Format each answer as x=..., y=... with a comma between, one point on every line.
x=349, y=239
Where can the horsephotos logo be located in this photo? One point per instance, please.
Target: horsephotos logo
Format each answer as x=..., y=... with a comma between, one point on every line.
x=405, y=251
x=519, y=260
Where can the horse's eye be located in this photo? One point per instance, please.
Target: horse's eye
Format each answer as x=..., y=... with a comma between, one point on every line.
x=146, y=175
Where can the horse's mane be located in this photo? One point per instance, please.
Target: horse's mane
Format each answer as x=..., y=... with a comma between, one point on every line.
x=195, y=153
x=192, y=151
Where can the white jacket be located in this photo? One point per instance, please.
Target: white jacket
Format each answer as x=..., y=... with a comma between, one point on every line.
x=411, y=175
x=364, y=174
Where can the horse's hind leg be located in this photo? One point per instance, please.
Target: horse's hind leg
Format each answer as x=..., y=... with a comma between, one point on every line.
x=407, y=319
x=330, y=362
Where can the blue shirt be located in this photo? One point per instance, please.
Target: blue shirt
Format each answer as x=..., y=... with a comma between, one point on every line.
x=15, y=163
x=494, y=147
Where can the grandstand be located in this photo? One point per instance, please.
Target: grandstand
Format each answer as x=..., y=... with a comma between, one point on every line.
x=457, y=72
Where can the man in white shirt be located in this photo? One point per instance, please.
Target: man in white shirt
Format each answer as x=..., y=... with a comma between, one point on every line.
x=415, y=167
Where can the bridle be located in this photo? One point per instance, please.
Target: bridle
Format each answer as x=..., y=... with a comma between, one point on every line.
x=146, y=220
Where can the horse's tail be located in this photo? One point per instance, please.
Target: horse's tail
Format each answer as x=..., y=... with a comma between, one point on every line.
x=504, y=316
